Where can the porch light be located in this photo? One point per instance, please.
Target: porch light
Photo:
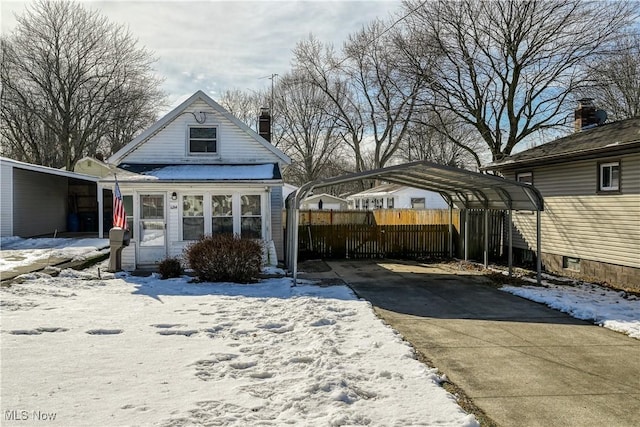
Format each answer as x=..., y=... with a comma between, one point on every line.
x=174, y=196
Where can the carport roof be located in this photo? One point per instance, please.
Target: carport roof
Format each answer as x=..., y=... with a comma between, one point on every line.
x=462, y=188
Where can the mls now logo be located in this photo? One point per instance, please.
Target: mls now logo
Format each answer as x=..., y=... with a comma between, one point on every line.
x=17, y=415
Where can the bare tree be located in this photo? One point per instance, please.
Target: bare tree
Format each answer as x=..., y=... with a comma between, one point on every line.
x=507, y=67
x=72, y=84
x=306, y=128
x=441, y=138
x=317, y=64
x=615, y=79
x=244, y=105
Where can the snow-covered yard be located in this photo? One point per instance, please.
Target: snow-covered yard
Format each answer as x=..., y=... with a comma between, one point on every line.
x=616, y=310
x=130, y=350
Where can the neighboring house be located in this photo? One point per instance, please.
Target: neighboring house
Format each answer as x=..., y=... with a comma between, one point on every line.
x=38, y=200
x=394, y=196
x=198, y=171
x=288, y=189
x=590, y=181
x=325, y=202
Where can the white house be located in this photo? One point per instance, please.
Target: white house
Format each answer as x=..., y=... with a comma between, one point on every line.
x=325, y=202
x=394, y=196
x=198, y=171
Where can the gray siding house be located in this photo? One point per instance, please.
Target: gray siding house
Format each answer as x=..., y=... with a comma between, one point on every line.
x=590, y=181
x=198, y=171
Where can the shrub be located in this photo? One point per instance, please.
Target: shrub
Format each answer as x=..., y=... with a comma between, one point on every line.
x=170, y=268
x=225, y=258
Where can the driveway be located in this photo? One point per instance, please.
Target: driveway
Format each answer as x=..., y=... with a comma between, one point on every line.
x=520, y=362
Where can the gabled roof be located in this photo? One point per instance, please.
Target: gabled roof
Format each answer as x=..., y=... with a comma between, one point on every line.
x=47, y=170
x=118, y=157
x=383, y=190
x=611, y=138
x=326, y=197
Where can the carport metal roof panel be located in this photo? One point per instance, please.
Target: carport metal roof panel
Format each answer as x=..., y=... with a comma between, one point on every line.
x=464, y=189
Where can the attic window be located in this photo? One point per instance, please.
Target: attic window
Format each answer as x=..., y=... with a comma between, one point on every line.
x=609, y=176
x=203, y=140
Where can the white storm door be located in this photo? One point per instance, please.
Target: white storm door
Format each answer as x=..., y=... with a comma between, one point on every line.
x=152, y=240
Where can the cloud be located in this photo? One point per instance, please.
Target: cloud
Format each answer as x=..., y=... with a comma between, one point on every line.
x=220, y=45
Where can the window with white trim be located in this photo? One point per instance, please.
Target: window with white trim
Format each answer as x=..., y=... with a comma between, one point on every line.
x=390, y=203
x=525, y=177
x=192, y=217
x=203, y=140
x=609, y=176
x=222, y=214
x=418, y=203
x=251, y=216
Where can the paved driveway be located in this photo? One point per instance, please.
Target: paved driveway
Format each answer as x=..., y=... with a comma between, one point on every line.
x=522, y=363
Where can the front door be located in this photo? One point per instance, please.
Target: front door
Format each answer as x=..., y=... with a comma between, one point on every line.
x=152, y=226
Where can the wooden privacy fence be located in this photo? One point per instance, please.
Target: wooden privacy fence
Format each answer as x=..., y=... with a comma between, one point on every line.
x=352, y=241
x=378, y=217
x=395, y=233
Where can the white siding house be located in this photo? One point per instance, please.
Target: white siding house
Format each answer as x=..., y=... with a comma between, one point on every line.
x=325, y=202
x=198, y=171
x=393, y=196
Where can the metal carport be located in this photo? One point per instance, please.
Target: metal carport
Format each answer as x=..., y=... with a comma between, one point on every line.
x=461, y=189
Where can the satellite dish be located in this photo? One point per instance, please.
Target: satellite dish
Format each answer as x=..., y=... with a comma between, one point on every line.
x=601, y=116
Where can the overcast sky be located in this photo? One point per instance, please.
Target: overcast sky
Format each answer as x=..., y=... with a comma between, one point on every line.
x=220, y=45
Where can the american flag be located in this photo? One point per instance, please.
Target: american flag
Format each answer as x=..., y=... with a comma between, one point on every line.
x=119, y=215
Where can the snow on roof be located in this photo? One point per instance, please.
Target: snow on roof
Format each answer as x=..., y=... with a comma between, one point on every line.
x=47, y=170
x=269, y=171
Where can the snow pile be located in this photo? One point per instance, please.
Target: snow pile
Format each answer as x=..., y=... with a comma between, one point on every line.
x=124, y=350
x=612, y=309
x=17, y=252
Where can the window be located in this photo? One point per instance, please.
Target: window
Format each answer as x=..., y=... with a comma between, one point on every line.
x=417, y=203
x=192, y=217
x=221, y=215
x=571, y=263
x=390, y=203
x=203, y=140
x=151, y=220
x=251, y=216
x=525, y=177
x=609, y=179
x=127, y=201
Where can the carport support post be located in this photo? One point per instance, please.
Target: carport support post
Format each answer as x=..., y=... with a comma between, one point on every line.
x=450, y=230
x=466, y=234
x=100, y=196
x=538, y=247
x=510, y=240
x=486, y=237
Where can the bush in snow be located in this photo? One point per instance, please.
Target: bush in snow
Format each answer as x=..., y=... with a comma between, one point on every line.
x=225, y=258
x=170, y=268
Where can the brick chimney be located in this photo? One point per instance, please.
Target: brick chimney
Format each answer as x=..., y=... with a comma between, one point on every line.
x=264, y=124
x=585, y=114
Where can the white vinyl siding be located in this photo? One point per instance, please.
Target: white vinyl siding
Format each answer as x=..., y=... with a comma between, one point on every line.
x=577, y=221
x=168, y=144
x=6, y=200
